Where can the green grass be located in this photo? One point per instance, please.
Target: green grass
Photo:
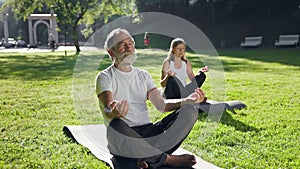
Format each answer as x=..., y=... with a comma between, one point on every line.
x=36, y=101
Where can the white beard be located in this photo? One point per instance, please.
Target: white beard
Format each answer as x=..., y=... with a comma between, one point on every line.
x=126, y=59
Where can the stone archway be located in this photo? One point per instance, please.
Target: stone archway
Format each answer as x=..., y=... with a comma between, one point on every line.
x=52, y=25
x=35, y=40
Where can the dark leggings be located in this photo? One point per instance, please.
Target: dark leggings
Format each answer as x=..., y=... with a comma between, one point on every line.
x=175, y=90
x=150, y=130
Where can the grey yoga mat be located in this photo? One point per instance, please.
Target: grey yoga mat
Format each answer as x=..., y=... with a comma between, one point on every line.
x=211, y=106
x=93, y=137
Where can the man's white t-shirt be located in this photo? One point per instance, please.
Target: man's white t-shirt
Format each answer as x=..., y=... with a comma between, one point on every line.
x=131, y=86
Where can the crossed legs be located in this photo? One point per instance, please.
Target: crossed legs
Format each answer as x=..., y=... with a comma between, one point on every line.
x=174, y=88
x=181, y=120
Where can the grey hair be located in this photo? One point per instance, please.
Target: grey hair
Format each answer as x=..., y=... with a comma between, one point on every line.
x=111, y=40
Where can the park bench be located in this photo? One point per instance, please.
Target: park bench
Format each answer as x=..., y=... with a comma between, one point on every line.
x=287, y=40
x=254, y=41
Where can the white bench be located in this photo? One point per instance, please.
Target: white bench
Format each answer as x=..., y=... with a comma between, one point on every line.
x=287, y=40
x=254, y=41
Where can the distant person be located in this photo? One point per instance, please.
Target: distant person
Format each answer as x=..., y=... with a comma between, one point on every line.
x=176, y=69
x=52, y=42
x=123, y=91
x=146, y=40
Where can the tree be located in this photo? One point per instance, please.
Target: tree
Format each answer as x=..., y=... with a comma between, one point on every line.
x=73, y=12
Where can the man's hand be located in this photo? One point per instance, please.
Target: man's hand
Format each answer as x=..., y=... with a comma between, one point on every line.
x=119, y=108
x=196, y=97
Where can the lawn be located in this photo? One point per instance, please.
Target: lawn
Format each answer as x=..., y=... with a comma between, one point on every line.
x=38, y=96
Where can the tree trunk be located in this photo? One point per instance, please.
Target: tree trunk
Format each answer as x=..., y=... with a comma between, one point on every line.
x=75, y=39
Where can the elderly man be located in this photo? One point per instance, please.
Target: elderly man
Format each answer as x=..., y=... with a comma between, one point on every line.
x=122, y=89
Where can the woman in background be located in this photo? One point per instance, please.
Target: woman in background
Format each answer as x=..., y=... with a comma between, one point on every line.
x=176, y=69
x=146, y=40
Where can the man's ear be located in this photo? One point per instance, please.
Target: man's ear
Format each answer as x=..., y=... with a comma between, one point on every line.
x=111, y=53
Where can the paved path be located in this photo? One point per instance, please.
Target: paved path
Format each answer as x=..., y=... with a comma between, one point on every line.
x=40, y=49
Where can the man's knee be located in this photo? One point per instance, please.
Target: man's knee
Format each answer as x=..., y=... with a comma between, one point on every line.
x=118, y=126
x=117, y=123
x=190, y=112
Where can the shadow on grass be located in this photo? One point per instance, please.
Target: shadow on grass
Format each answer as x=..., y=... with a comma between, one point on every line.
x=228, y=120
x=52, y=66
x=36, y=67
x=45, y=66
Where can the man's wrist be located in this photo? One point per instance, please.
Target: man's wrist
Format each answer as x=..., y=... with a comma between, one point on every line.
x=186, y=101
x=107, y=110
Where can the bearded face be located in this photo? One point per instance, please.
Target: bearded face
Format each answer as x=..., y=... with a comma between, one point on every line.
x=124, y=53
x=126, y=58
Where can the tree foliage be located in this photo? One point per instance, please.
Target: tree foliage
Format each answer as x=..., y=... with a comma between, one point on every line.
x=230, y=20
x=221, y=10
x=73, y=12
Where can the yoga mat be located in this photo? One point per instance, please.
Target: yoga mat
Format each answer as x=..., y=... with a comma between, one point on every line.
x=211, y=106
x=93, y=137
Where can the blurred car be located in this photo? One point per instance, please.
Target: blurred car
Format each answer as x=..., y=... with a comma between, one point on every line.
x=11, y=42
x=20, y=44
x=66, y=43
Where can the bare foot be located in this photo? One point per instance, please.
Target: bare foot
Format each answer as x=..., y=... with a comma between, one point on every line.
x=184, y=160
x=142, y=164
